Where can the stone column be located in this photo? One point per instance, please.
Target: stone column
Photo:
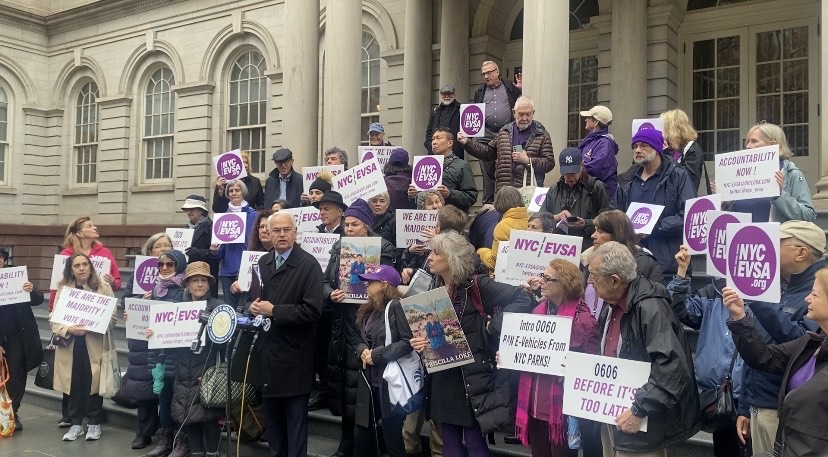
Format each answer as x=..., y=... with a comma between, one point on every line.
x=454, y=47
x=193, y=148
x=545, y=65
x=113, y=159
x=629, y=72
x=416, y=74
x=343, y=76
x=821, y=197
x=300, y=63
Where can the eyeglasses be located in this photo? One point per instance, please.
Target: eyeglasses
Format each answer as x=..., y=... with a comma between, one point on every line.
x=546, y=278
x=166, y=264
x=487, y=73
x=281, y=231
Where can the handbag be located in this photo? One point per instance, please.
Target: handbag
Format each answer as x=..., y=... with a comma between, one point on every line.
x=718, y=410
x=7, y=423
x=110, y=379
x=213, y=390
x=528, y=191
x=45, y=376
x=404, y=377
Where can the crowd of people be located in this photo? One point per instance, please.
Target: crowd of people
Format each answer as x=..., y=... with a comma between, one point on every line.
x=630, y=298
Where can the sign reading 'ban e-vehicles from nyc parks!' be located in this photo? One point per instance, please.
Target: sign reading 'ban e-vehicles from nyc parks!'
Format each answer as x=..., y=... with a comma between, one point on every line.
x=753, y=261
x=473, y=119
x=427, y=172
x=229, y=228
x=696, y=211
x=644, y=217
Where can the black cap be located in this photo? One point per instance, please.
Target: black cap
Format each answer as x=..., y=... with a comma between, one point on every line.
x=282, y=154
x=331, y=196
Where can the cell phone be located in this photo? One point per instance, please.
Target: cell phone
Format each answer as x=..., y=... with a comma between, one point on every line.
x=517, y=148
x=572, y=219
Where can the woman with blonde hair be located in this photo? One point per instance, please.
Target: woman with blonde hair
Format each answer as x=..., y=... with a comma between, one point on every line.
x=79, y=358
x=680, y=143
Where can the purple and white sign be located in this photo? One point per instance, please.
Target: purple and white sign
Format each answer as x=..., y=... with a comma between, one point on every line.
x=747, y=174
x=11, y=285
x=427, y=172
x=531, y=252
x=137, y=318
x=537, y=199
x=654, y=123
x=309, y=174
x=306, y=218
x=145, y=275
x=229, y=228
x=695, y=221
x=473, y=119
x=181, y=238
x=381, y=153
x=362, y=181
x=753, y=261
x=644, y=217
x=91, y=311
x=536, y=344
x=717, y=221
x=230, y=165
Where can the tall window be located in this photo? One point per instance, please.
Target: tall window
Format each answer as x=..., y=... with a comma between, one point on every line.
x=86, y=134
x=248, y=107
x=583, y=95
x=4, y=139
x=370, y=83
x=159, y=125
x=716, y=88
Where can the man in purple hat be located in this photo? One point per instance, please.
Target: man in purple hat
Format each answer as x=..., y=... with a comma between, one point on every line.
x=658, y=182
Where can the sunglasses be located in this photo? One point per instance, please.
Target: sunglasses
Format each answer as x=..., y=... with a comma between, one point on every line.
x=166, y=265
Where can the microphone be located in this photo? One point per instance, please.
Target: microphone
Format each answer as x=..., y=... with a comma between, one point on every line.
x=203, y=317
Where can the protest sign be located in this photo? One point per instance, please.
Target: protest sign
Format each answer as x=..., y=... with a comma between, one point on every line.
x=91, y=311
x=655, y=123
x=381, y=153
x=473, y=119
x=531, y=252
x=534, y=343
x=644, y=217
x=362, y=181
x=431, y=315
x=601, y=388
x=410, y=225
x=696, y=212
x=717, y=221
x=181, y=238
x=229, y=228
x=137, y=313
x=427, y=172
x=753, y=260
x=249, y=261
x=357, y=256
x=174, y=325
x=537, y=199
x=102, y=266
x=306, y=218
x=749, y=173
x=501, y=273
x=229, y=165
x=309, y=174
x=11, y=285
x=145, y=275
x=319, y=245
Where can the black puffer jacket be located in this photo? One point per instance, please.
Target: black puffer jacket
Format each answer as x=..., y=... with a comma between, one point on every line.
x=344, y=364
x=479, y=391
x=188, y=370
x=385, y=225
x=650, y=332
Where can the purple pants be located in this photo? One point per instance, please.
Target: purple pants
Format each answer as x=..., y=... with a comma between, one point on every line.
x=453, y=437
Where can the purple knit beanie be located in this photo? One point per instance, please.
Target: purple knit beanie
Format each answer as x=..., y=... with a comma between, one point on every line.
x=648, y=134
x=360, y=210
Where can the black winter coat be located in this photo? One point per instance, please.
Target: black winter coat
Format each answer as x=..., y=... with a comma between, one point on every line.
x=344, y=364
x=293, y=189
x=199, y=251
x=445, y=116
x=284, y=354
x=650, y=332
x=28, y=331
x=386, y=226
x=381, y=355
x=136, y=383
x=169, y=357
x=479, y=392
x=803, y=429
x=586, y=200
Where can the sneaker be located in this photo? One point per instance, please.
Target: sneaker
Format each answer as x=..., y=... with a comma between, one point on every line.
x=93, y=433
x=74, y=432
x=64, y=422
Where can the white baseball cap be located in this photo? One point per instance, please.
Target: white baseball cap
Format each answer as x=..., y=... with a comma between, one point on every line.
x=600, y=112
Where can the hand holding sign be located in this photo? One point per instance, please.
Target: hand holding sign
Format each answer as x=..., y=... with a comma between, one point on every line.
x=230, y=165
x=644, y=217
x=229, y=228
x=734, y=303
x=427, y=172
x=472, y=120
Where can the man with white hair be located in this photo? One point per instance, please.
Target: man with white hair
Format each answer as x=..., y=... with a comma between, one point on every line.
x=640, y=325
x=520, y=146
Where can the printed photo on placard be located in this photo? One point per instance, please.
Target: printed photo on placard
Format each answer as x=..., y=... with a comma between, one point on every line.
x=356, y=256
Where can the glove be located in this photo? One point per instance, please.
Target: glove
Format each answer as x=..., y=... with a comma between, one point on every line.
x=158, y=378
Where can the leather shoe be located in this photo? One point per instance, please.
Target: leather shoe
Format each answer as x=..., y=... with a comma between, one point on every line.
x=18, y=426
x=511, y=439
x=140, y=442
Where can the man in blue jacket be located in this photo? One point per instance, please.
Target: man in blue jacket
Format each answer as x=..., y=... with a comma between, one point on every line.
x=801, y=250
x=658, y=182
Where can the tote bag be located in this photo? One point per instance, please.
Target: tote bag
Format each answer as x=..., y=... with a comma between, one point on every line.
x=110, y=381
x=404, y=377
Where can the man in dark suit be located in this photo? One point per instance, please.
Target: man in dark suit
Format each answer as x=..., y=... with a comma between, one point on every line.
x=291, y=297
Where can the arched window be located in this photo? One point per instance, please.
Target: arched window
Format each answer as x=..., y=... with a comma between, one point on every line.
x=248, y=107
x=4, y=133
x=86, y=135
x=370, y=83
x=159, y=125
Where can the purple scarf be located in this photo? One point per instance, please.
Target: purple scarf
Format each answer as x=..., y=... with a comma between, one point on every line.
x=557, y=425
x=161, y=287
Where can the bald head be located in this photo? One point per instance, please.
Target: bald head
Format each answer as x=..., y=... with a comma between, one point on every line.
x=282, y=231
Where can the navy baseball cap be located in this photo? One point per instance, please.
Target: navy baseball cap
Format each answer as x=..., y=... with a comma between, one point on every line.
x=570, y=161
